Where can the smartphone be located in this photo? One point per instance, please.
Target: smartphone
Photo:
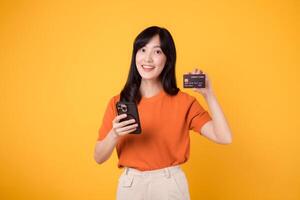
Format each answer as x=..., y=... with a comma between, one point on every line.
x=129, y=108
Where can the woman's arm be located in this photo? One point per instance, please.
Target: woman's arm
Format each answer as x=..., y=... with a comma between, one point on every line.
x=217, y=129
x=105, y=147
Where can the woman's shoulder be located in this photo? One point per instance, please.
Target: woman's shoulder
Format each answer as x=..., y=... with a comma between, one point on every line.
x=184, y=96
x=114, y=99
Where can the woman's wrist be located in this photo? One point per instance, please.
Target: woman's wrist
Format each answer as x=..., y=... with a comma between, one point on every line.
x=209, y=95
x=114, y=134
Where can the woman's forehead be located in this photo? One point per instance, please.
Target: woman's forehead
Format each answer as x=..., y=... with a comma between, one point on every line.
x=154, y=41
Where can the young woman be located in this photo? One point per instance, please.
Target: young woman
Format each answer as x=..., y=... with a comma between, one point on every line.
x=152, y=159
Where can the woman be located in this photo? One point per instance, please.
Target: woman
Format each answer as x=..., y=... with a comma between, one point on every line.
x=152, y=159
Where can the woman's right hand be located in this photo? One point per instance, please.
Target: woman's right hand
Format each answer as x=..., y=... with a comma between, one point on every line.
x=124, y=127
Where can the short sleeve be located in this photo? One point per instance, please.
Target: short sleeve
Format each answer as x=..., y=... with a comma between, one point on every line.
x=108, y=116
x=197, y=116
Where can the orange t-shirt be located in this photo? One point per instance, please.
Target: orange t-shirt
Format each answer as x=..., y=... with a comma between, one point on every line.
x=165, y=122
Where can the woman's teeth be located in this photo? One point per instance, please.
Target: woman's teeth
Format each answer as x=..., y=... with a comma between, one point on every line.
x=147, y=68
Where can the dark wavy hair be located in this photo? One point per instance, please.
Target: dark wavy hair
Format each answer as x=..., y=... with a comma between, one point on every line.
x=131, y=92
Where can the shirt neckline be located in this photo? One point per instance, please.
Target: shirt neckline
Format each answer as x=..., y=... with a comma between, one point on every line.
x=156, y=96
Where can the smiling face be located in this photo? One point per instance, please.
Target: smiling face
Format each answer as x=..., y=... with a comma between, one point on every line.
x=150, y=59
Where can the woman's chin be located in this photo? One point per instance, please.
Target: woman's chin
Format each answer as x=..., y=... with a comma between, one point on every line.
x=149, y=78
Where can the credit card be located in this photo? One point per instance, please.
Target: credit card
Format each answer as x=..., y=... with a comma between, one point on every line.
x=194, y=80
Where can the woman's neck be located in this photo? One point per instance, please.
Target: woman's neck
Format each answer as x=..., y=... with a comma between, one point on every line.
x=150, y=88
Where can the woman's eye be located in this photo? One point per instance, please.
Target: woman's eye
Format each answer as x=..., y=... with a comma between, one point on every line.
x=143, y=50
x=158, y=51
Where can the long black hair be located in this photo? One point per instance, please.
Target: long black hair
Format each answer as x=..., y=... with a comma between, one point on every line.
x=131, y=91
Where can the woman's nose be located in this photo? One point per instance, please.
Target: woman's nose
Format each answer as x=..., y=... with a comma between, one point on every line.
x=148, y=57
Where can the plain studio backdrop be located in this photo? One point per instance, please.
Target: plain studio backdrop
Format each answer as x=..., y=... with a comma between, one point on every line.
x=61, y=62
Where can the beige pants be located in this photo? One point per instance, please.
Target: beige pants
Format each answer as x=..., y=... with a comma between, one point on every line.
x=163, y=184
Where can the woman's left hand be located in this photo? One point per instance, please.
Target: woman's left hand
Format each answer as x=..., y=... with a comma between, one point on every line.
x=208, y=88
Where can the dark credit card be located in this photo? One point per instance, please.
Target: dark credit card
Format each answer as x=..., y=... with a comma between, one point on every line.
x=194, y=80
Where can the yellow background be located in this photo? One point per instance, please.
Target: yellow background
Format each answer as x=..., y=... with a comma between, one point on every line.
x=61, y=61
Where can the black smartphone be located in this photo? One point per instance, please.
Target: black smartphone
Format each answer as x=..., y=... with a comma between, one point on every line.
x=129, y=108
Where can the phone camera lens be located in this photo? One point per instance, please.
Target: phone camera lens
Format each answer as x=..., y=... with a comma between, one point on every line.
x=124, y=108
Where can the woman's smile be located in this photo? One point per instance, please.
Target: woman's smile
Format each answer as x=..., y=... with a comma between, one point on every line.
x=148, y=68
